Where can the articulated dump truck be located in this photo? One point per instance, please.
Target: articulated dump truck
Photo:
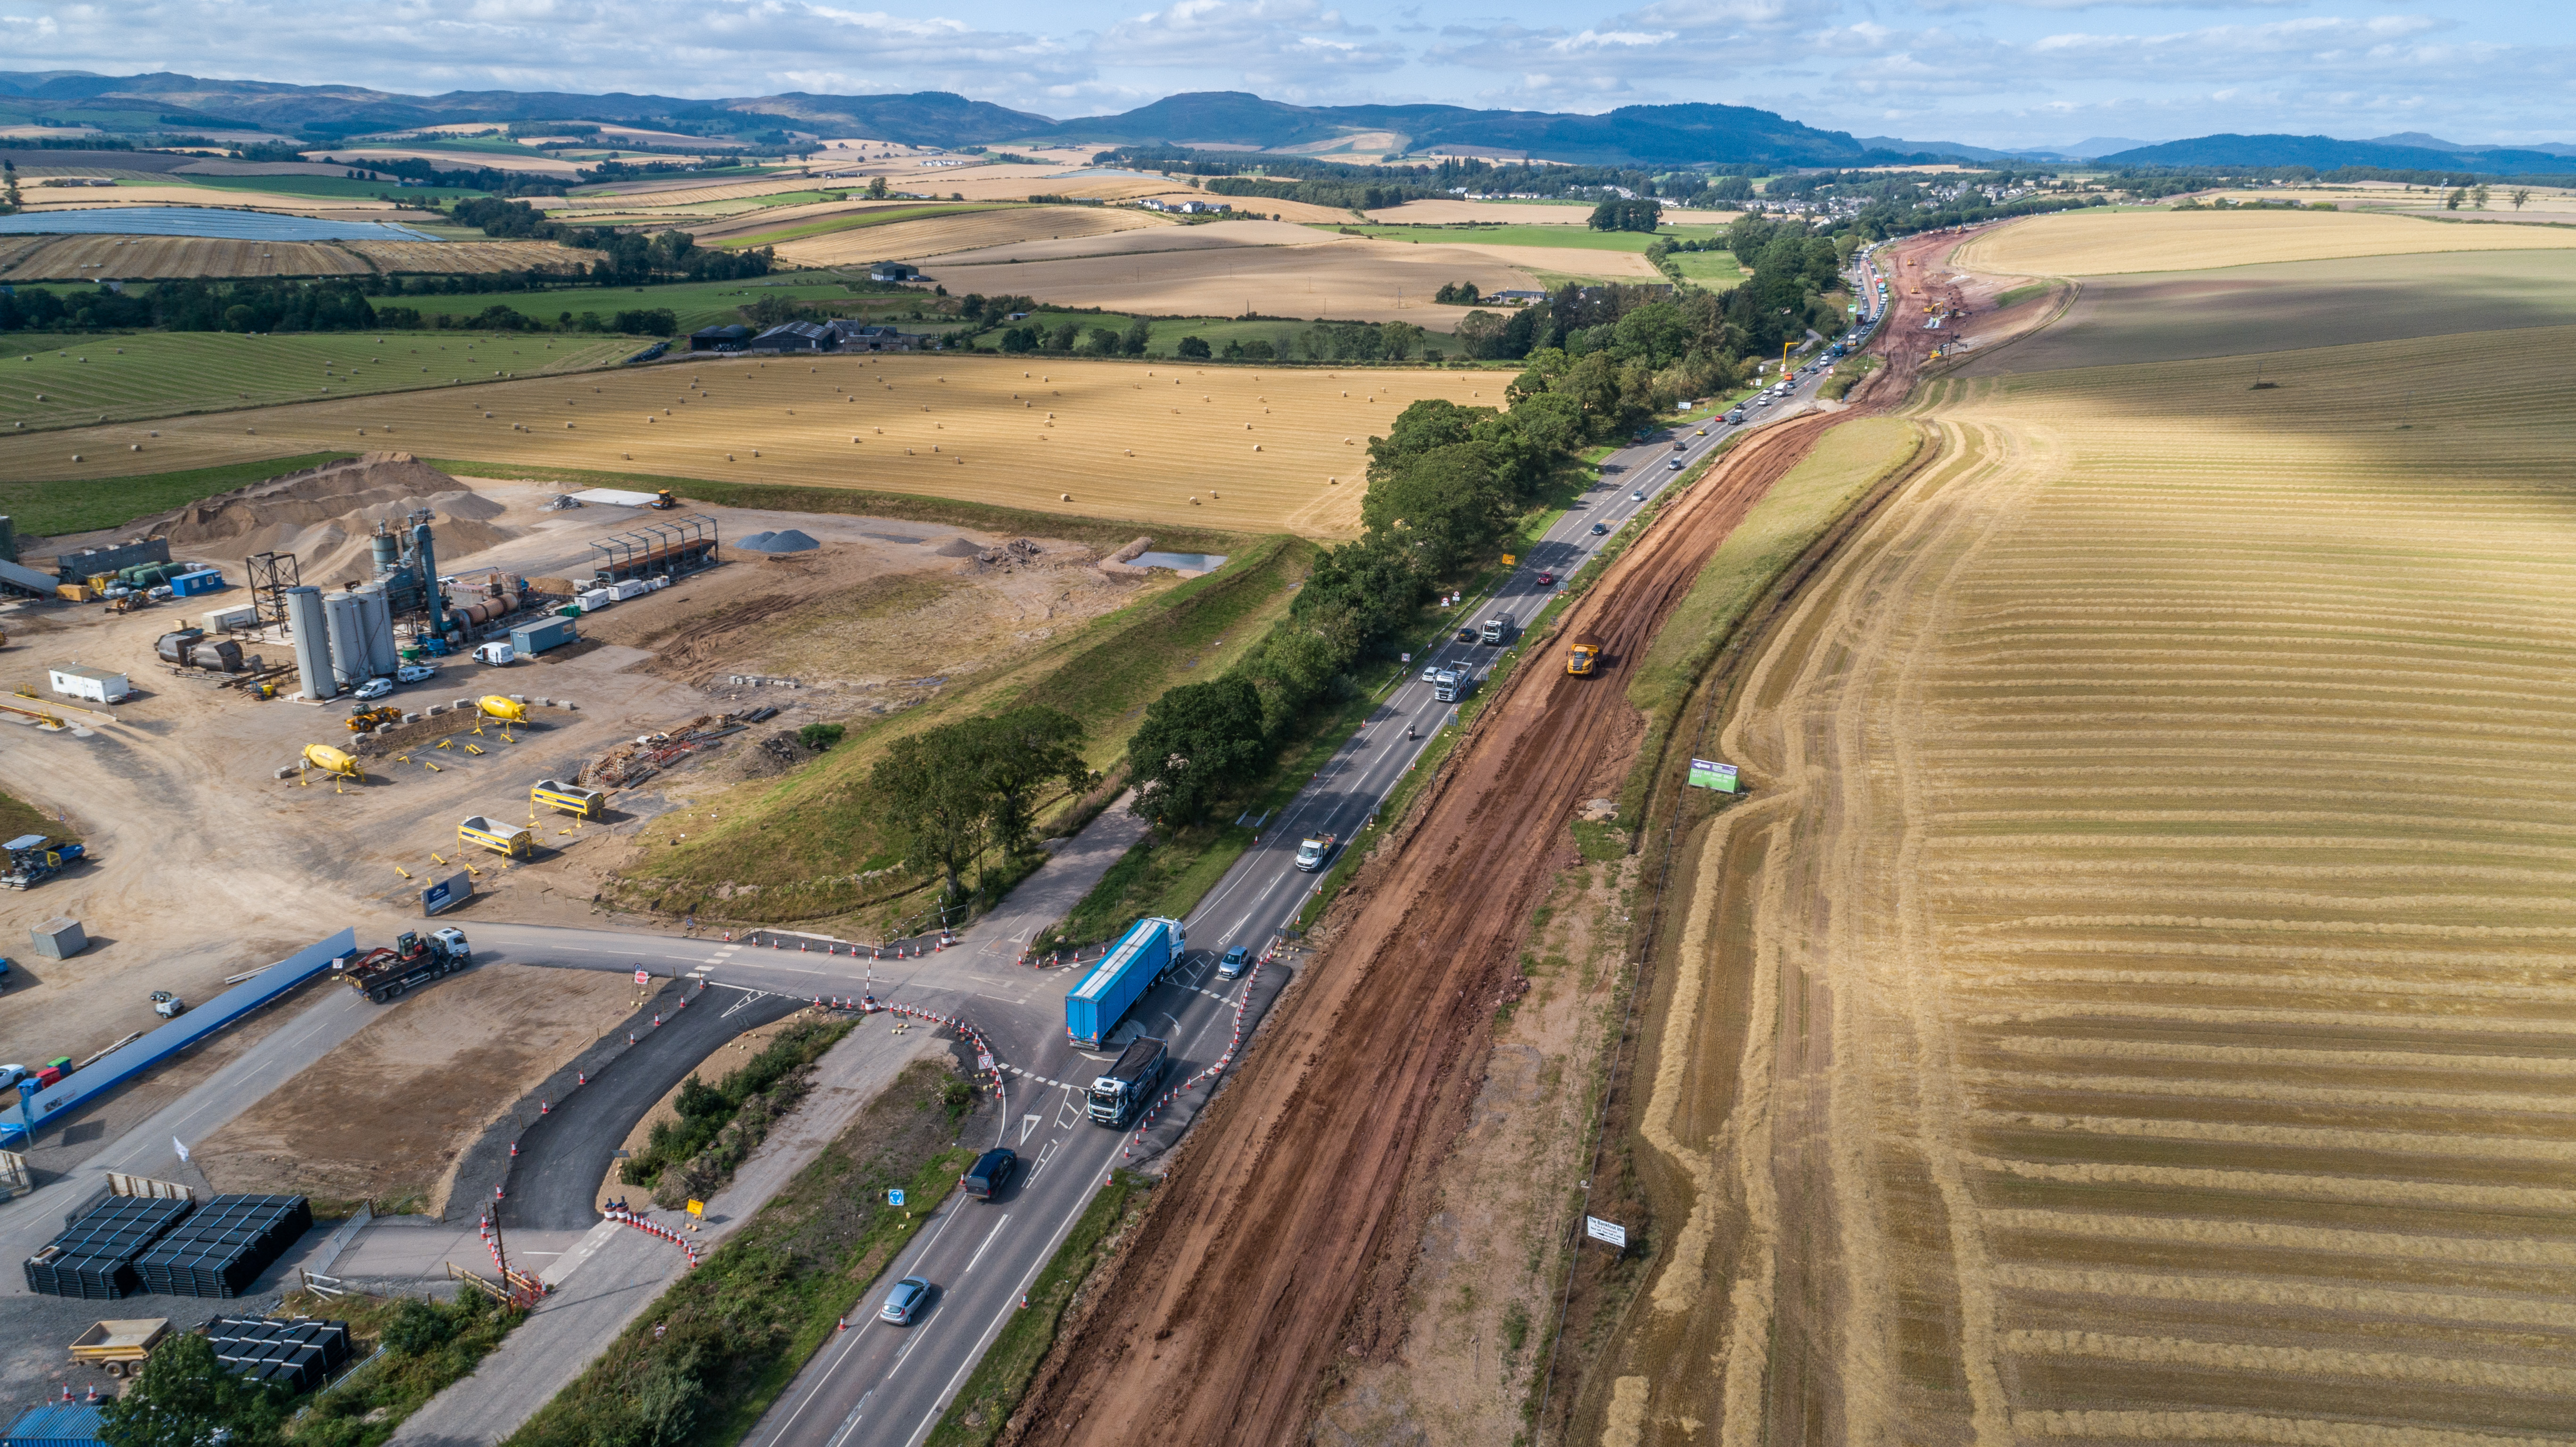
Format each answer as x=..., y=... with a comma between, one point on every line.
x=1584, y=655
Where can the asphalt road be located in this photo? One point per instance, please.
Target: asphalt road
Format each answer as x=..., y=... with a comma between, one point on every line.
x=554, y=1184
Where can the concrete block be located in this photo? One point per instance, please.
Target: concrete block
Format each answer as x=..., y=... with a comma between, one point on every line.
x=436, y=709
x=545, y=703
x=288, y=772
x=569, y=704
x=518, y=698
x=58, y=938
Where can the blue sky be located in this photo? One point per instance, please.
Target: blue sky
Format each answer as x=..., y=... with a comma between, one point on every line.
x=1990, y=72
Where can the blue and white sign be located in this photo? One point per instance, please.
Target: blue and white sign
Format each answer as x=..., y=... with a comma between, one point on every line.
x=894, y=1195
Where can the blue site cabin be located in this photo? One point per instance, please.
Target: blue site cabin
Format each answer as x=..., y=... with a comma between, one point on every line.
x=1136, y=965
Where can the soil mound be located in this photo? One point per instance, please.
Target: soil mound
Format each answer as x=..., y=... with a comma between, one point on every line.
x=957, y=548
x=324, y=512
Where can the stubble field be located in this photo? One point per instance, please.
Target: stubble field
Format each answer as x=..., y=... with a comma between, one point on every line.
x=936, y=235
x=2130, y=1006
x=127, y=258
x=1223, y=447
x=2099, y=243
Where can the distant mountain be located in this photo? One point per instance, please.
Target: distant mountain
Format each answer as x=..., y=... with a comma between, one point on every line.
x=1899, y=146
x=2421, y=141
x=2326, y=153
x=1635, y=135
x=1632, y=135
x=2092, y=146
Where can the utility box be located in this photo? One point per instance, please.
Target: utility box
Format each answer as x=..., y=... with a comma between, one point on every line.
x=58, y=938
x=224, y=620
x=543, y=634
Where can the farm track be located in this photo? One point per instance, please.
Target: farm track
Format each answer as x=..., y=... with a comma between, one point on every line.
x=1290, y=1222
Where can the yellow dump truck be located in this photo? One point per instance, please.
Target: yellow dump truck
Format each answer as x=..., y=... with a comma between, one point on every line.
x=1584, y=656
x=498, y=836
x=572, y=799
x=119, y=1347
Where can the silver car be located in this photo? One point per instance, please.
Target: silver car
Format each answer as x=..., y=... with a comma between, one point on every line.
x=905, y=1302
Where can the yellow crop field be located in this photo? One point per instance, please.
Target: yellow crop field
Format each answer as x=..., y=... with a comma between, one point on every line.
x=1221, y=447
x=935, y=235
x=2133, y=1002
x=1347, y=278
x=2097, y=243
x=472, y=256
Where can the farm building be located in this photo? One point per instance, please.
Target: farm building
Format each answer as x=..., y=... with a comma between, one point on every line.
x=893, y=271
x=720, y=339
x=866, y=337
x=797, y=337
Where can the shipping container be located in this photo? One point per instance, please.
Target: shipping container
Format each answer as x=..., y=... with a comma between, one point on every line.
x=224, y=620
x=1135, y=965
x=93, y=685
x=539, y=636
x=631, y=588
x=190, y=585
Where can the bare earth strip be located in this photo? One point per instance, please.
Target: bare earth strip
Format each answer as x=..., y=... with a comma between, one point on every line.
x=2151, y=926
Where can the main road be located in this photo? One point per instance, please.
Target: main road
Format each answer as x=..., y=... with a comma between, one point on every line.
x=877, y=1385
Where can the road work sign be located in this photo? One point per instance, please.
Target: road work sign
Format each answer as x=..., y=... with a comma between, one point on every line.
x=1610, y=1232
x=642, y=978
x=697, y=1208
x=1709, y=774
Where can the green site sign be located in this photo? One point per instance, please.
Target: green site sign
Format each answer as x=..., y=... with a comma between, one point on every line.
x=1709, y=774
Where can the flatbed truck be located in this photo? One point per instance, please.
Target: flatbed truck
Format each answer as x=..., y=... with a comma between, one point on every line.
x=387, y=971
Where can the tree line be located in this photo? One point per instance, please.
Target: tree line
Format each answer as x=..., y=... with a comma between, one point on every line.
x=630, y=258
x=968, y=790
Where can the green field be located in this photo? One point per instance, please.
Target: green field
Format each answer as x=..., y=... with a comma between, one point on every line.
x=124, y=378
x=1572, y=238
x=1709, y=268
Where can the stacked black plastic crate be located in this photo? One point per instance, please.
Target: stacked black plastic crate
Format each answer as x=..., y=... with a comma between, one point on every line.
x=224, y=1247
x=300, y=1352
x=93, y=1259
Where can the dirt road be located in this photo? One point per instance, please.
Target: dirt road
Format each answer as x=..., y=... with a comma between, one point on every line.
x=1290, y=1222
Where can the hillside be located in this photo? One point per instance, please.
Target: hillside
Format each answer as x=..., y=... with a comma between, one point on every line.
x=2326, y=153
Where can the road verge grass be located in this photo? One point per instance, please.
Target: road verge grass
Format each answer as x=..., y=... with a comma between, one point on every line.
x=981, y=1408
x=427, y=1344
x=700, y=1366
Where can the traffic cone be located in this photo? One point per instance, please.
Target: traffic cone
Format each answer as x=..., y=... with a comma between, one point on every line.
x=544, y=1108
x=514, y=1150
x=1024, y=1301
x=581, y=1077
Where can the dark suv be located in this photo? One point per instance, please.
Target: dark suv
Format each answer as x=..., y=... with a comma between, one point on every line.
x=991, y=1172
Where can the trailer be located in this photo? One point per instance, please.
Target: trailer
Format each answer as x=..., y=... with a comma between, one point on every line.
x=30, y=859
x=387, y=971
x=514, y=840
x=1137, y=964
x=572, y=799
x=119, y=1347
x=1118, y=1095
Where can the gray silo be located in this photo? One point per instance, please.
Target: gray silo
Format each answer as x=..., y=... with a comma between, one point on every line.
x=376, y=628
x=304, y=623
x=348, y=639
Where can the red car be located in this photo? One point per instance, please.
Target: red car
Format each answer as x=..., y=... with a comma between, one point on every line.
x=1547, y=580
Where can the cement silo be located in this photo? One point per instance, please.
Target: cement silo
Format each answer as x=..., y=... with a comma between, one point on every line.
x=348, y=639
x=376, y=628
x=305, y=624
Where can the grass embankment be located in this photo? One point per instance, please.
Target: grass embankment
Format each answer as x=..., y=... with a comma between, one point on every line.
x=428, y=1345
x=133, y=376
x=802, y=843
x=721, y=1125
x=69, y=505
x=993, y=1392
x=736, y=1329
x=18, y=817
x=1847, y=374
x=1847, y=462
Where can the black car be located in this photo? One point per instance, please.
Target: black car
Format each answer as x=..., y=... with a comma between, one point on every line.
x=1598, y=530
x=991, y=1172
x=1466, y=635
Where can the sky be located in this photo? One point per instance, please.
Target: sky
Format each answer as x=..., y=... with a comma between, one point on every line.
x=1982, y=72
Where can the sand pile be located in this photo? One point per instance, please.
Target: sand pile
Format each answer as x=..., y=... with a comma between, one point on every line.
x=324, y=515
x=957, y=548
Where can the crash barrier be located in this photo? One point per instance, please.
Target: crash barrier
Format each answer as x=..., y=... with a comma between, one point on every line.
x=1234, y=1042
x=524, y=1290
x=123, y=1064
x=624, y=1216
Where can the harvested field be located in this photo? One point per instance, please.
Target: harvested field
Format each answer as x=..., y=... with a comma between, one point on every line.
x=471, y=256
x=173, y=193
x=1206, y=236
x=386, y=1113
x=1588, y=262
x=2150, y=914
x=529, y=162
x=1524, y=213
x=937, y=235
x=1346, y=278
x=1257, y=449
x=2099, y=243
x=2177, y=315
x=134, y=258
x=682, y=195
x=1283, y=1243
x=57, y=382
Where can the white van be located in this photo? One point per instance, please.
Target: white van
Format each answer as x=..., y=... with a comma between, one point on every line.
x=495, y=652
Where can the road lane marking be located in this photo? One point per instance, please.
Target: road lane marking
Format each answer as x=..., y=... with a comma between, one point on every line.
x=980, y=1250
